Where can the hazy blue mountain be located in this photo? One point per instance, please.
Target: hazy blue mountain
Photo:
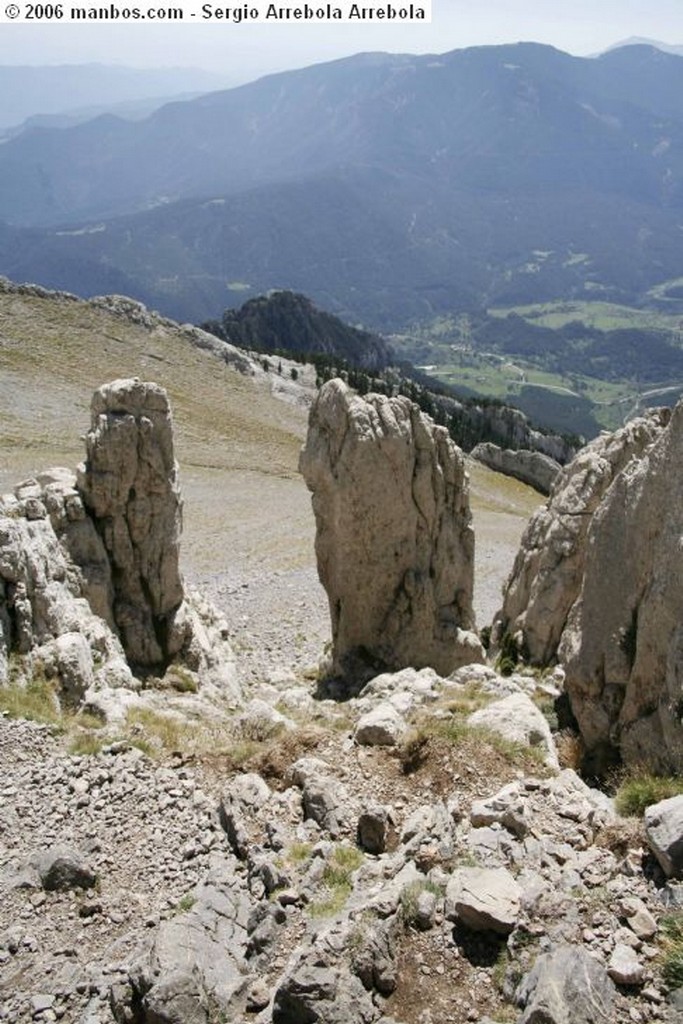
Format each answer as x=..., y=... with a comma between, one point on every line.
x=129, y=110
x=388, y=188
x=63, y=88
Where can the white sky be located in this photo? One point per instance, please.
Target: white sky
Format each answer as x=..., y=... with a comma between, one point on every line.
x=241, y=52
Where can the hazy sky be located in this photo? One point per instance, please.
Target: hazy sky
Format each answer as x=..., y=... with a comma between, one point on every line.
x=244, y=51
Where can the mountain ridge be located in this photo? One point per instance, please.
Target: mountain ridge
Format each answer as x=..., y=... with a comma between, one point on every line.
x=388, y=188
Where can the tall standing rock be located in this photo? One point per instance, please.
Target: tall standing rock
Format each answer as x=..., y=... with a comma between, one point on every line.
x=623, y=644
x=548, y=573
x=129, y=485
x=394, y=542
x=598, y=586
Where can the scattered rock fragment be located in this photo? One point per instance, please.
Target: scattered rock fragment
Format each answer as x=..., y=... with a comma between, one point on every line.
x=664, y=830
x=62, y=868
x=485, y=899
x=517, y=718
x=381, y=727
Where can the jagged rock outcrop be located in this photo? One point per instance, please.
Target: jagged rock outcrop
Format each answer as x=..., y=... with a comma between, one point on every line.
x=598, y=585
x=130, y=486
x=547, y=575
x=623, y=645
x=90, y=588
x=533, y=468
x=394, y=541
x=55, y=589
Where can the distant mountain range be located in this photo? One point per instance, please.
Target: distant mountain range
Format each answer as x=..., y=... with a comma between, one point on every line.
x=83, y=91
x=389, y=188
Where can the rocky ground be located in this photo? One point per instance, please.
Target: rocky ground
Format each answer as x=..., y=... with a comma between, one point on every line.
x=377, y=859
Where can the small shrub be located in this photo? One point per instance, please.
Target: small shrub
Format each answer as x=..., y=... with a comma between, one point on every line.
x=409, y=898
x=508, y=656
x=570, y=749
x=181, y=679
x=413, y=750
x=86, y=744
x=671, y=931
x=186, y=903
x=336, y=881
x=641, y=789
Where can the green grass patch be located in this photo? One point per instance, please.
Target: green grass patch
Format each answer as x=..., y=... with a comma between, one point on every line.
x=410, y=896
x=336, y=881
x=86, y=744
x=671, y=939
x=641, y=789
x=186, y=903
x=36, y=701
x=162, y=731
x=471, y=740
x=298, y=853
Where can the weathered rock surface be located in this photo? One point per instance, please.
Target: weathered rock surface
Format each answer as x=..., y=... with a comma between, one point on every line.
x=596, y=585
x=664, y=829
x=566, y=986
x=547, y=576
x=533, y=468
x=195, y=967
x=486, y=899
x=55, y=589
x=381, y=727
x=517, y=718
x=623, y=645
x=89, y=582
x=394, y=540
x=130, y=485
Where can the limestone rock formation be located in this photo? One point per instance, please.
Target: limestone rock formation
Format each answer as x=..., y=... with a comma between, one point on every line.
x=130, y=486
x=533, y=468
x=597, y=585
x=664, y=828
x=90, y=589
x=623, y=644
x=394, y=542
x=547, y=575
x=55, y=589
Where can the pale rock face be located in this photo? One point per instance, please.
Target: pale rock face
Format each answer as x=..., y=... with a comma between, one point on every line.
x=517, y=718
x=566, y=986
x=623, y=644
x=533, y=468
x=485, y=899
x=597, y=584
x=89, y=581
x=394, y=542
x=664, y=829
x=54, y=609
x=129, y=484
x=548, y=572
